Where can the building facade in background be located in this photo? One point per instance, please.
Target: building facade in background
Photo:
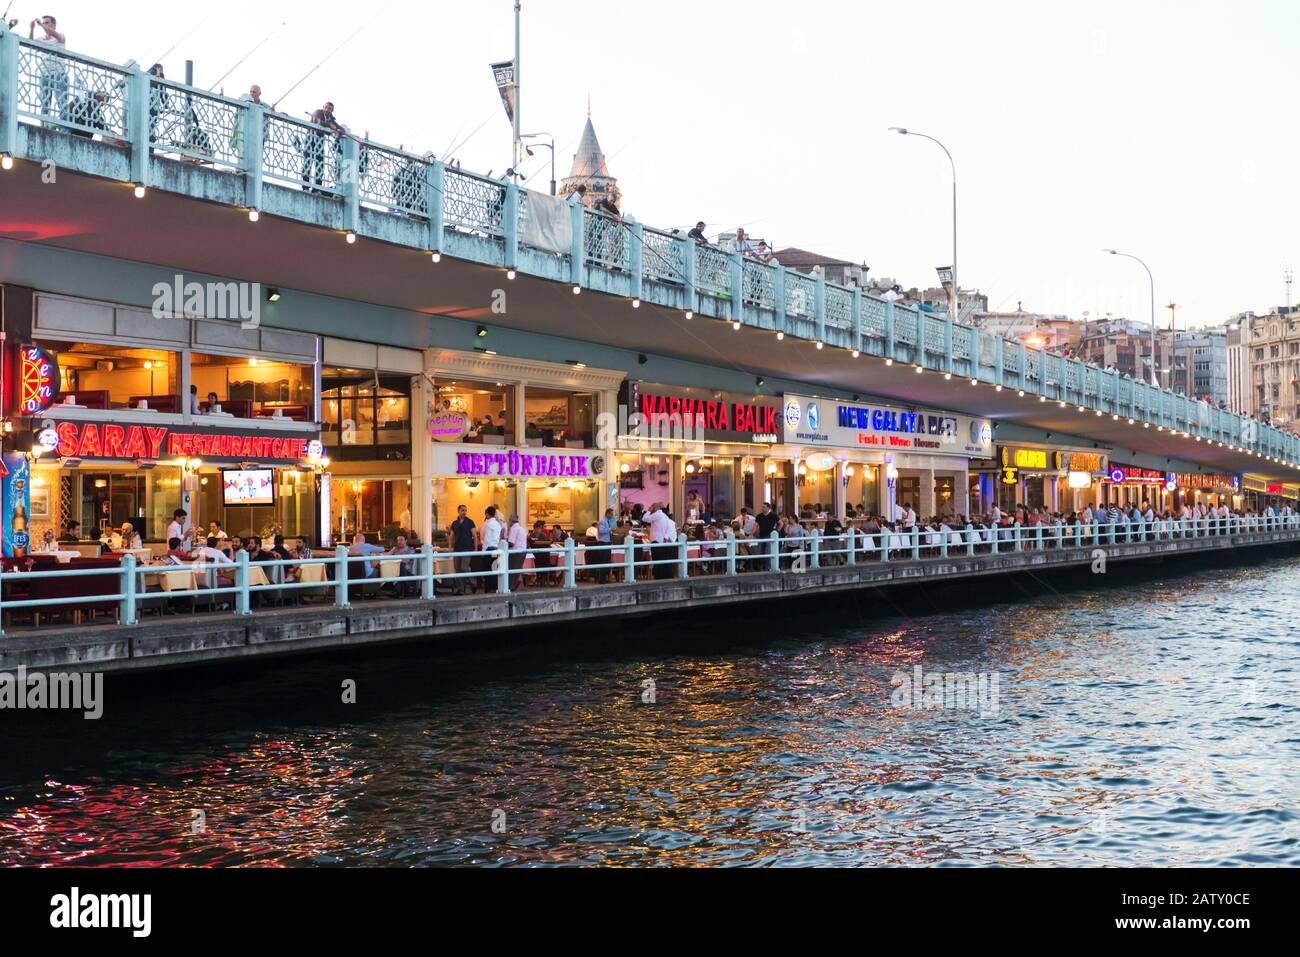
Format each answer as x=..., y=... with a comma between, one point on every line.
x=1273, y=348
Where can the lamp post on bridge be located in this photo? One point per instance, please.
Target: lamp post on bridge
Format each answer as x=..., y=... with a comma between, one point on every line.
x=1155, y=359
x=549, y=146
x=904, y=131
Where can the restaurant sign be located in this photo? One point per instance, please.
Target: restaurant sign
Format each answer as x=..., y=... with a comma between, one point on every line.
x=831, y=423
x=1197, y=481
x=448, y=425
x=92, y=440
x=38, y=380
x=1127, y=475
x=700, y=415
x=519, y=463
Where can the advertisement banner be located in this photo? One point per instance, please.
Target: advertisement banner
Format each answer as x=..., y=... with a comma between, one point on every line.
x=832, y=423
x=15, y=504
x=504, y=74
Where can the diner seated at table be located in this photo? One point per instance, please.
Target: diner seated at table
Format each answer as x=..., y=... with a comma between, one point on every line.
x=176, y=553
x=71, y=532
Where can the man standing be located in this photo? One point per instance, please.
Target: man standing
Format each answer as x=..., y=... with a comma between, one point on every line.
x=517, y=540
x=180, y=526
x=462, y=540
x=604, y=536
x=766, y=523
x=661, y=537
x=313, y=159
x=493, y=531
x=746, y=532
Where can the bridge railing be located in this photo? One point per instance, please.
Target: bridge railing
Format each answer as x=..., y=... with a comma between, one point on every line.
x=342, y=579
x=42, y=85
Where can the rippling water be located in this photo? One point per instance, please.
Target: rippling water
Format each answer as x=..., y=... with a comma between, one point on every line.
x=1152, y=723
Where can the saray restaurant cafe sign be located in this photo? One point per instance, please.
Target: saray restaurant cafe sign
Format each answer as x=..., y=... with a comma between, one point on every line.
x=92, y=440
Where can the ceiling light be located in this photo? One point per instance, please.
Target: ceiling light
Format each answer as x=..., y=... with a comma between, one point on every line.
x=352, y=237
x=253, y=215
x=736, y=325
x=6, y=161
x=436, y=256
x=920, y=369
x=272, y=294
x=636, y=303
x=889, y=362
x=974, y=381
x=577, y=290
x=947, y=377
x=481, y=332
x=856, y=353
x=780, y=336
x=139, y=190
x=820, y=344
x=510, y=274
x=689, y=314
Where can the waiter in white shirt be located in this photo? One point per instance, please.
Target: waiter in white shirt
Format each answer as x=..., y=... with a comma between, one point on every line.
x=492, y=532
x=662, y=533
x=180, y=526
x=517, y=539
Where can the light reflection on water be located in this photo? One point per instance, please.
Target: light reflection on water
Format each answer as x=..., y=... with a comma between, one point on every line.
x=1152, y=723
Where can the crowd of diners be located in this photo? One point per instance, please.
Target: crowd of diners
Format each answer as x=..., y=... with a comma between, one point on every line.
x=538, y=553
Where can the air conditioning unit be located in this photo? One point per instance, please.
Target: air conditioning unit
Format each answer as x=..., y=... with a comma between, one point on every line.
x=103, y=365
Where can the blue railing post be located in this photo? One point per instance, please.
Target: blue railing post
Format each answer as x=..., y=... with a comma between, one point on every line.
x=578, y=243
x=341, y=577
x=570, y=564
x=731, y=553
x=819, y=304
x=999, y=367
x=433, y=202
x=852, y=536
x=774, y=543
x=970, y=540
x=502, y=562
x=884, y=544
x=350, y=184
x=510, y=225
x=683, y=569
x=429, y=592
x=128, y=613
x=689, y=292
x=947, y=338
x=1017, y=537
x=888, y=345
x=634, y=255
x=997, y=538
x=137, y=124
x=916, y=543
x=778, y=296
x=1060, y=536
x=253, y=120
x=736, y=286
x=629, y=560
x=9, y=53
x=243, y=600
x=943, y=543
x=857, y=320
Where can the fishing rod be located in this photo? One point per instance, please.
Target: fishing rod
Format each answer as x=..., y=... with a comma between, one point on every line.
x=276, y=104
x=183, y=39
x=245, y=57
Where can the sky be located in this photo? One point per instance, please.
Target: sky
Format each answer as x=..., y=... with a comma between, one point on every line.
x=1163, y=128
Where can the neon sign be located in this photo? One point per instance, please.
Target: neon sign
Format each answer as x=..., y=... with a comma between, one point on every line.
x=111, y=441
x=38, y=380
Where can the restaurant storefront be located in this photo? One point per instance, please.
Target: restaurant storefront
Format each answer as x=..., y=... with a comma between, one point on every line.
x=367, y=423
x=102, y=474
x=703, y=453
x=1058, y=479
x=850, y=454
x=120, y=415
x=518, y=434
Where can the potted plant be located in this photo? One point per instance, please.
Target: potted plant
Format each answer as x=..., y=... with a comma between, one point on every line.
x=572, y=440
x=533, y=435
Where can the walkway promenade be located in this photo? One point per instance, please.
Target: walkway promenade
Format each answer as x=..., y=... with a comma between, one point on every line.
x=345, y=618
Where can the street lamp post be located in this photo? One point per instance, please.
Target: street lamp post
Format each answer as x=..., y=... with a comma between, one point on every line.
x=550, y=146
x=1155, y=380
x=904, y=131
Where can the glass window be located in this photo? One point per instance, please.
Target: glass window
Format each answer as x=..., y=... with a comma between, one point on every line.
x=489, y=406
x=365, y=416
x=377, y=508
x=249, y=387
x=116, y=377
x=572, y=505
x=555, y=418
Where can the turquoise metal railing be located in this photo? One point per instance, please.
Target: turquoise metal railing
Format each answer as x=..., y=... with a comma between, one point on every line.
x=240, y=586
x=44, y=89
